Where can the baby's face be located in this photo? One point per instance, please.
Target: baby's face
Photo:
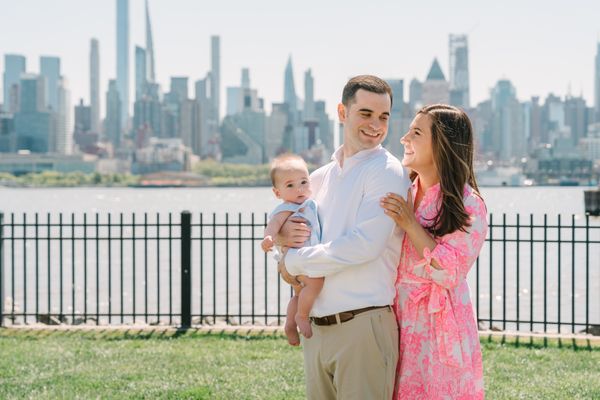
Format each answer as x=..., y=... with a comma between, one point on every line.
x=292, y=186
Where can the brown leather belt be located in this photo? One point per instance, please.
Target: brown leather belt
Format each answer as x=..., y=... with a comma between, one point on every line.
x=344, y=316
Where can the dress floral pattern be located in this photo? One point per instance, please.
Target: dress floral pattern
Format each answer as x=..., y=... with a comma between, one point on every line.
x=440, y=355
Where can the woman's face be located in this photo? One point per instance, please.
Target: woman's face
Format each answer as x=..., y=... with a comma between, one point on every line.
x=417, y=142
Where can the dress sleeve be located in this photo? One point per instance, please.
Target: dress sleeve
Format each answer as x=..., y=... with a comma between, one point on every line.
x=457, y=251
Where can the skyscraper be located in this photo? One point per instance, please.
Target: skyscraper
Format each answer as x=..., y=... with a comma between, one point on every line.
x=508, y=130
x=293, y=140
x=50, y=70
x=83, y=118
x=33, y=123
x=245, y=78
x=33, y=93
x=395, y=129
x=140, y=72
x=435, y=87
x=215, y=73
x=459, y=71
x=309, y=95
x=14, y=66
x=112, y=123
x=95, y=85
x=576, y=118
x=202, y=145
x=289, y=89
x=415, y=95
x=151, y=76
x=123, y=59
x=242, y=98
x=596, y=83
x=147, y=115
x=179, y=88
x=63, y=136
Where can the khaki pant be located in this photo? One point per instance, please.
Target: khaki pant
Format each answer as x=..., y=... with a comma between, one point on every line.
x=353, y=360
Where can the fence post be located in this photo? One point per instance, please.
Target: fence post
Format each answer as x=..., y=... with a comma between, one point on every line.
x=1, y=269
x=186, y=279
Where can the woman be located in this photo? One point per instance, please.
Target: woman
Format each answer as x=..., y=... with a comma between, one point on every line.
x=444, y=220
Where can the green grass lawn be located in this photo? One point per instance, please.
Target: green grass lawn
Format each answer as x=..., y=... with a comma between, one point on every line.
x=110, y=364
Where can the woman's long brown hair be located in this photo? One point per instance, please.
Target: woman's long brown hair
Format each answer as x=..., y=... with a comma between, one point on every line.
x=453, y=153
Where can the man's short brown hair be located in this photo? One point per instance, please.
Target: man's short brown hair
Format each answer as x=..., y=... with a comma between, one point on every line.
x=369, y=83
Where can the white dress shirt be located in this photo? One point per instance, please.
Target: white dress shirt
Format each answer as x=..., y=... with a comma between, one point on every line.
x=359, y=250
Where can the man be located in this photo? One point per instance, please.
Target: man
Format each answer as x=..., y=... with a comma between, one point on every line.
x=354, y=348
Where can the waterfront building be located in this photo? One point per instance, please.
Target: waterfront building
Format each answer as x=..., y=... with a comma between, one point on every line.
x=26, y=163
x=162, y=154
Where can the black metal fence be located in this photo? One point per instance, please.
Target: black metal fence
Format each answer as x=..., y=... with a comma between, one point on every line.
x=534, y=273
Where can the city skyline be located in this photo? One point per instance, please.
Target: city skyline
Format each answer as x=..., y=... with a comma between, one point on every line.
x=182, y=47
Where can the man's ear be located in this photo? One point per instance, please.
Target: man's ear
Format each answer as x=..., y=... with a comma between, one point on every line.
x=341, y=112
x=276, y=192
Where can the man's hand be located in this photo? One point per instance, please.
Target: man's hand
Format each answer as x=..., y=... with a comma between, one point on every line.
x=293, y=233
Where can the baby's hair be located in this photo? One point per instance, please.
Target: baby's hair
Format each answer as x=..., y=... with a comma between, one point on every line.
x=280, y=161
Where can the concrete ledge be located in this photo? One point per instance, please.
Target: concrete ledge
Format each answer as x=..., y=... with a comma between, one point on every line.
x=141, y=328
x=265, y=330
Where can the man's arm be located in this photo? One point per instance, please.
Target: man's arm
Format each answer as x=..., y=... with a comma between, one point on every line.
x=361, y=244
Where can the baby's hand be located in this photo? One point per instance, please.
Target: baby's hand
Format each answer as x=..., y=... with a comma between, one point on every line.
x=267, y=243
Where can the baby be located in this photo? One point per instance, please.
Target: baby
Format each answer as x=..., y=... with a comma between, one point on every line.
x=289, y=175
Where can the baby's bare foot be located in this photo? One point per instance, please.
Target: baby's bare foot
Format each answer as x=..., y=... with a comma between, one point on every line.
x=291, y=331
x=304, y=326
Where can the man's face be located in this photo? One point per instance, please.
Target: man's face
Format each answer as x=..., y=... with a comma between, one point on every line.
x=365, y=121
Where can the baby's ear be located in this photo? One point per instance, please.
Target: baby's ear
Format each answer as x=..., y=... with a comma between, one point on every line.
x=276, y=192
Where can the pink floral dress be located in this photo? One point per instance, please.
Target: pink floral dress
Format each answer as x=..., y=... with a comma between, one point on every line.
x=440, y=355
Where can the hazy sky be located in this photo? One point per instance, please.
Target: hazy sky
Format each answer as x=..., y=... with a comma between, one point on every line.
x=541, y=46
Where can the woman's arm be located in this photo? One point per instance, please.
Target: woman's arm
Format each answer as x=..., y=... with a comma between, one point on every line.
x=449, y=258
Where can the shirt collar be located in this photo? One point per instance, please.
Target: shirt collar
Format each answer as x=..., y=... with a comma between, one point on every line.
x=338, y=155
